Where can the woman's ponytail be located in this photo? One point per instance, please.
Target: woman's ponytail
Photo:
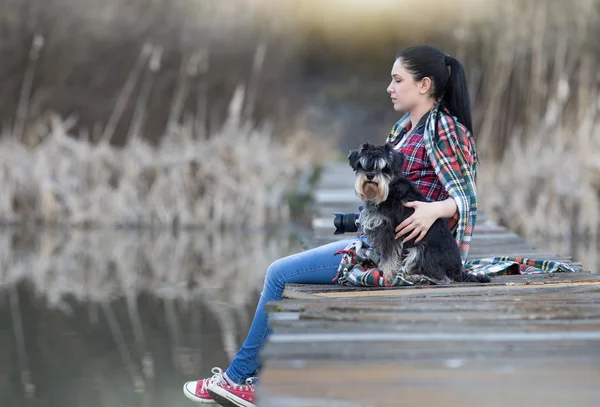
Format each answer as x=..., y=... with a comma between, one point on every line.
x=456, y=95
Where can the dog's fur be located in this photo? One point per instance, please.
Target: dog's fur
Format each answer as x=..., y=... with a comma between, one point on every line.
x=382, y=186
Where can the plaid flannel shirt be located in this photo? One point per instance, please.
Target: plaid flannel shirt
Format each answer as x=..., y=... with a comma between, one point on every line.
x=417, y=166
x=451, y=150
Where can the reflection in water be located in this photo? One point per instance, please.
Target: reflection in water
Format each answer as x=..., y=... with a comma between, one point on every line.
x=123, y=318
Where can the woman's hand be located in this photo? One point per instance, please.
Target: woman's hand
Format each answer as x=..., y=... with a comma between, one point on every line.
x=423, y=217
x=419, y=222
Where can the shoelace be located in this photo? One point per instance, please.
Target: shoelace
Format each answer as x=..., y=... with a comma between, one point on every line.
x=248, y=386
x=217, y=377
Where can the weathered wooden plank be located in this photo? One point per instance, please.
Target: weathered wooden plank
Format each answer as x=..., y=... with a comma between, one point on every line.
x=455, y=289
x=429, y=345
x=334, y=325
x=451, y=382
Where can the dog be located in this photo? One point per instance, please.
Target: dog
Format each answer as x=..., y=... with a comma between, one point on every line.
x=383, y=188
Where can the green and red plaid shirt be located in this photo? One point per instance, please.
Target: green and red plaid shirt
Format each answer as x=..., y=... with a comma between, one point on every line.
x=417, y=165
x=451, y=150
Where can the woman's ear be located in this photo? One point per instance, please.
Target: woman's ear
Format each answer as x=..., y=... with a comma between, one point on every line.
x=425, y=85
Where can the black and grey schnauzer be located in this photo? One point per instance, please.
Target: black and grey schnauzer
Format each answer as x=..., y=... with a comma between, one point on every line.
x=382, y=186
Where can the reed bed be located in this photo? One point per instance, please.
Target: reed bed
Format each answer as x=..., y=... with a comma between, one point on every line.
x=536, y=108
x=123, y=132
x=236, y=178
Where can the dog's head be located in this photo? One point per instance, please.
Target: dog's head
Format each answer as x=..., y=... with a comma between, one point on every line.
x=376, y=167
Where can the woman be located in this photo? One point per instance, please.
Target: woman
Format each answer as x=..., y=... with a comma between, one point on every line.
x=436, y=137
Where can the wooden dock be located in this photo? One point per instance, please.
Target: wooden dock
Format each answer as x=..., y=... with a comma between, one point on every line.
x=518, y=341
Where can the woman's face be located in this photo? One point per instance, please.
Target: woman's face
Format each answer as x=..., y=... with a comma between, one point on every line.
x=405, y=92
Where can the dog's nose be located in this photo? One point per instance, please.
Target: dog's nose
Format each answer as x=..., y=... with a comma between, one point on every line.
x=370, y=177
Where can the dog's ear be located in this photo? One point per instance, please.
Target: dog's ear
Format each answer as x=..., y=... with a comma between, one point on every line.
x=397, y=159
x=353, y=158
x=366, y=146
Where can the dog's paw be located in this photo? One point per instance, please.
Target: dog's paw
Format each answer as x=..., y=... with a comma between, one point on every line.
x=389, y=273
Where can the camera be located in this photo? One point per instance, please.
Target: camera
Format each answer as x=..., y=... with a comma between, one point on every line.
x=346, y=222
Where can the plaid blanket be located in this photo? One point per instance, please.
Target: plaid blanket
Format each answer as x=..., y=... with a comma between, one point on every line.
x=452, y=152
x=358, y=267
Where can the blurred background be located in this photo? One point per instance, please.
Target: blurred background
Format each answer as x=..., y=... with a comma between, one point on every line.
x=157, y=155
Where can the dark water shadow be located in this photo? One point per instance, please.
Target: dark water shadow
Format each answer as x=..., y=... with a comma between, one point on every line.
x=105, y=318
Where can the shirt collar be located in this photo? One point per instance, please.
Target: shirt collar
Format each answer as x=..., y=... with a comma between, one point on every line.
x=422, y=121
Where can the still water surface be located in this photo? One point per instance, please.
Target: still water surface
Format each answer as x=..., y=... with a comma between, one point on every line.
x=121, y=318
x=105, y=318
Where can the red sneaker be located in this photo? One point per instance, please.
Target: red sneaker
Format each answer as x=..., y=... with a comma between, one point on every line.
x=237, y=395
x=197, y=390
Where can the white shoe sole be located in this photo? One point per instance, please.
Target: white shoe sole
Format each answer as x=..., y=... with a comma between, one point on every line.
x=223, y=396
x=190, y=394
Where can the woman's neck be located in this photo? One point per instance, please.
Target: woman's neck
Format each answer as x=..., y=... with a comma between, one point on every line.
x=418, y=112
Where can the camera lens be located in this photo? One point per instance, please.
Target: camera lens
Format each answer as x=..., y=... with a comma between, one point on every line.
x=345, y=222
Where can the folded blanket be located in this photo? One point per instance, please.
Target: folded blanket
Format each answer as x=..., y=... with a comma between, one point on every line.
x=359, y=267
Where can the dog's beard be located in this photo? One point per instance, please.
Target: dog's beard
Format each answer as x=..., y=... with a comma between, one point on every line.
x=375, y=191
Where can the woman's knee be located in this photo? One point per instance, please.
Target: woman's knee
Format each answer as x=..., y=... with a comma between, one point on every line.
x=276, y=271
x=280, y=271
x=287, y=268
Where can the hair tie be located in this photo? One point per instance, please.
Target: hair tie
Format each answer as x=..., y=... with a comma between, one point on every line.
x=448, y=68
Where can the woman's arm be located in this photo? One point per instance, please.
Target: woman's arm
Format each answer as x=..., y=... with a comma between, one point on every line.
x=425, y=214
x=446, y=208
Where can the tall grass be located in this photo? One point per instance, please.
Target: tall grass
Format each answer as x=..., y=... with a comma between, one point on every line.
x=83, y=75
x=235, y=176
x=537, y=106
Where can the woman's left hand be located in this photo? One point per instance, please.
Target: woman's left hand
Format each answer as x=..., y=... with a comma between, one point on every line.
x=419, y=222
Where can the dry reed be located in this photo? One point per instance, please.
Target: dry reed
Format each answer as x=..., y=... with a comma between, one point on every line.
x=539, y=128
x=84, y=74
x=236, y=177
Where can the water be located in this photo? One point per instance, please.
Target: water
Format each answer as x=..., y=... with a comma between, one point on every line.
x=105, y=318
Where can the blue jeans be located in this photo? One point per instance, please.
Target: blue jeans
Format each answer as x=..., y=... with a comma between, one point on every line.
x=315, y=266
